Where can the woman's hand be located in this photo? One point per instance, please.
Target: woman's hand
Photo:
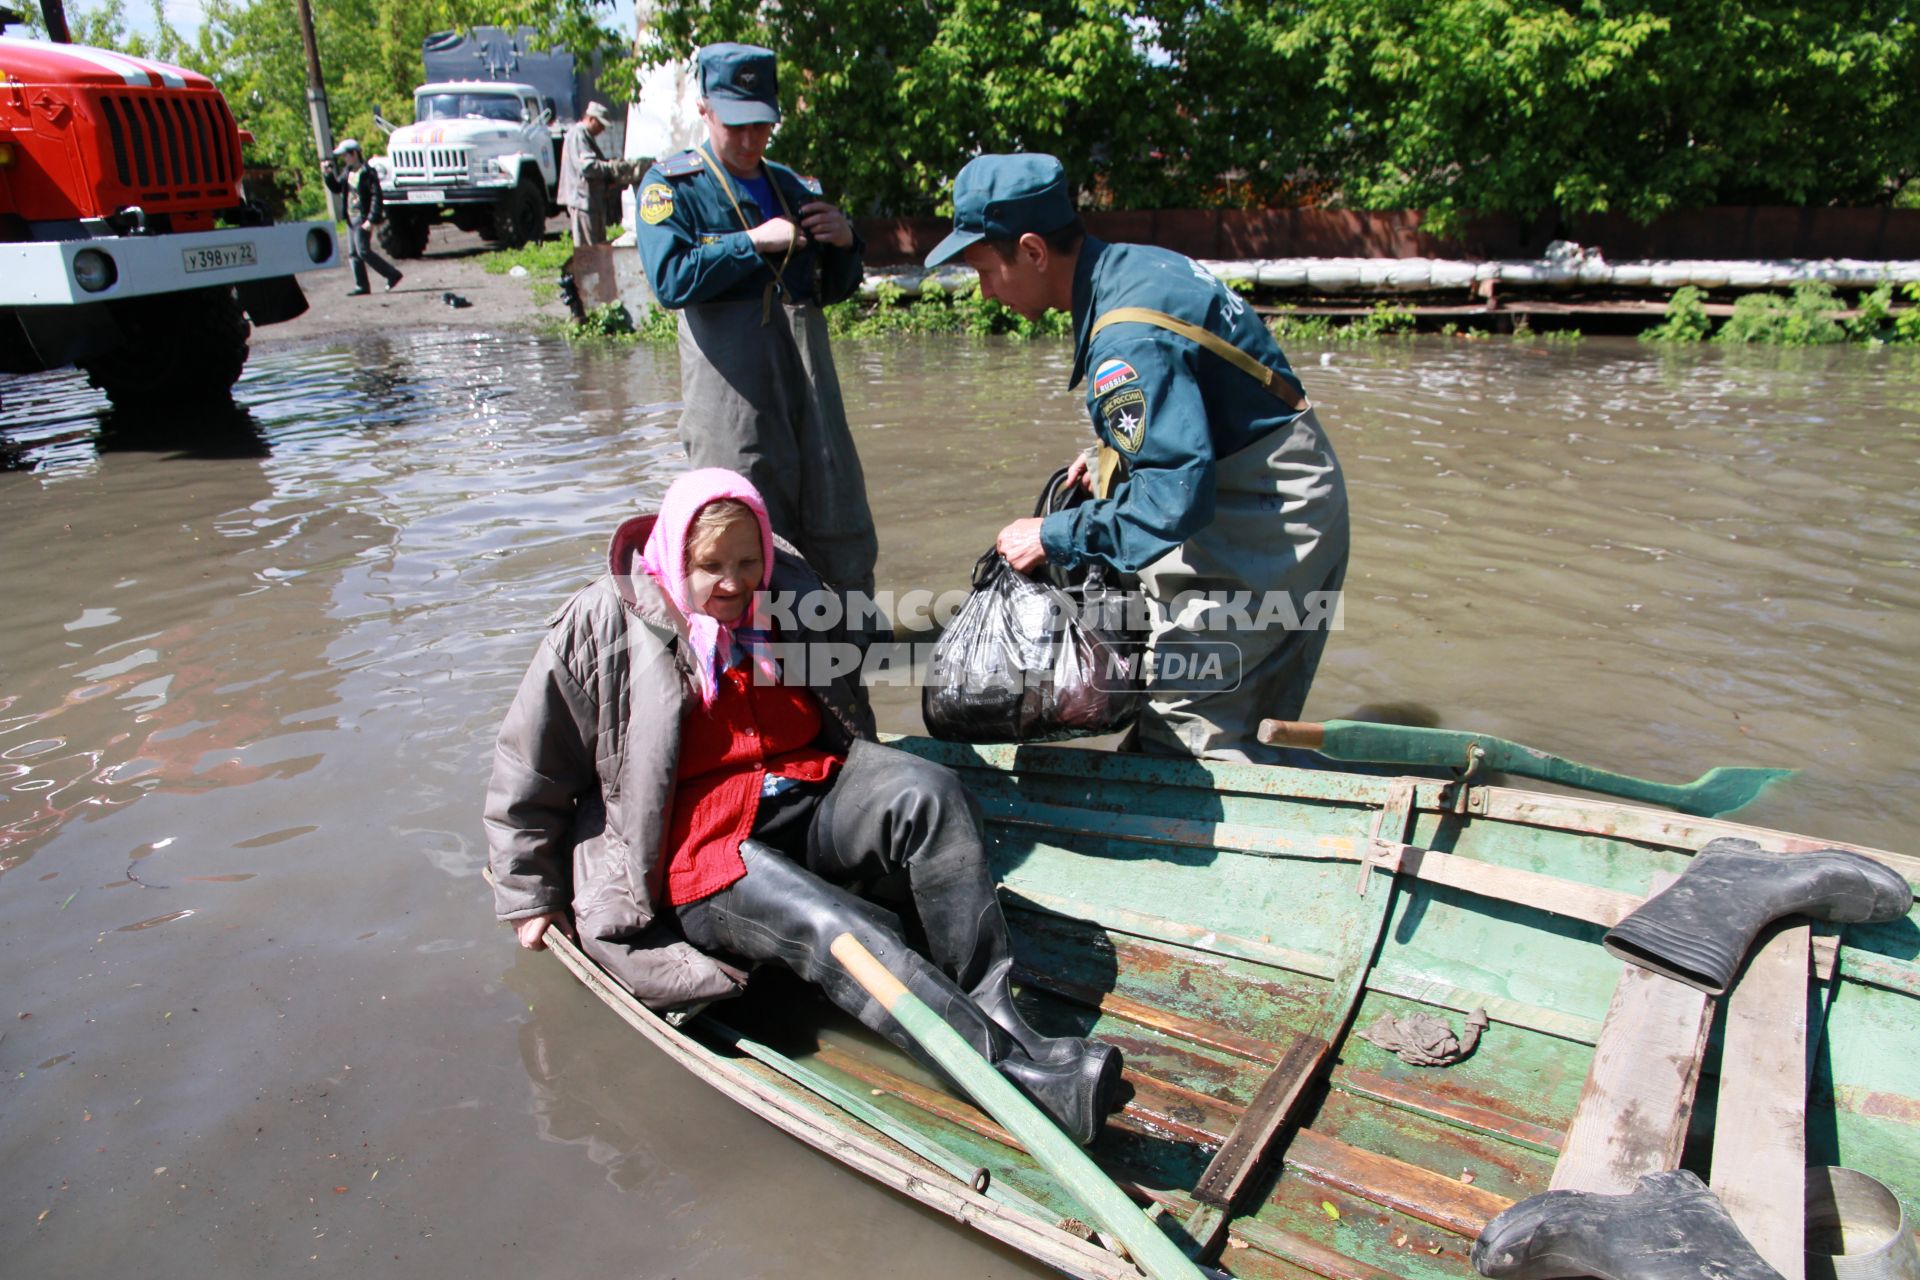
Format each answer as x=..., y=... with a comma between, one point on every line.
x=532, y=930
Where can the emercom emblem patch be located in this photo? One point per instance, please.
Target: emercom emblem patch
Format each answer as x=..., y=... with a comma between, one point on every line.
x=1124, y=414
x=656, y=204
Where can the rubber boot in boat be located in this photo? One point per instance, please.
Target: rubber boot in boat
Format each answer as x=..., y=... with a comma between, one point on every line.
x=994, y=995
x=1698, y=929
x=1076, y=1092
x=1669, y=1227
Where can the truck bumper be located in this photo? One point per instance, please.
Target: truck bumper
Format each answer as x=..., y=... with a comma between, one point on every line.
x=440, y=197
x=44, y=273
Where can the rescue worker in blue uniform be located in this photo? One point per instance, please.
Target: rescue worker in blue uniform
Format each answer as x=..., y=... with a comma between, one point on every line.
x=748, y=252
x=1213, y=482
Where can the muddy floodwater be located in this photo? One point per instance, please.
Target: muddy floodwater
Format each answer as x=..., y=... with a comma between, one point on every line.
x=257, y=1015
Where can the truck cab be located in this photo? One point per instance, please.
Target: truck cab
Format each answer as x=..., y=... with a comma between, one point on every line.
x=126, y=244
x=480, y=154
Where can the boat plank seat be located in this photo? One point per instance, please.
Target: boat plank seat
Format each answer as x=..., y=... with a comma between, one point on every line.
x=1759, y=1164
x=1638, y=1097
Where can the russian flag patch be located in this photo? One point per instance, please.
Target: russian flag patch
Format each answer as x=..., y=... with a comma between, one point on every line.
x=1111, y=374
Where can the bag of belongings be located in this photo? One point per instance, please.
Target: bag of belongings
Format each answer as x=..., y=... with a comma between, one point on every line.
x=1030, y=660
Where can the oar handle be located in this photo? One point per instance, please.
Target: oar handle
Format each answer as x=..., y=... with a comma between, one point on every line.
x=1106, y=1204
x=1293, y=733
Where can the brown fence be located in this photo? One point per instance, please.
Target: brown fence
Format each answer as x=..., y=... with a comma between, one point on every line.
x=1731, y=232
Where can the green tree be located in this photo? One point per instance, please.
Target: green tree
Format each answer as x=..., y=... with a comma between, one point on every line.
x=884, y=103
x=1541, y=108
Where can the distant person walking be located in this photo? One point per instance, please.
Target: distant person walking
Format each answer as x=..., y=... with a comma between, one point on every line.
x=585, y=176
x=361, y=186
x=747, y=252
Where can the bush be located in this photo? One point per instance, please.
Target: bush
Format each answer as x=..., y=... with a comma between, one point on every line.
x=1686, y=319
x=1802, y=320
x=935, y=311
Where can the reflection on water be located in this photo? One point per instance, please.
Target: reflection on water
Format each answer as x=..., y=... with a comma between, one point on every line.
x=251, y=665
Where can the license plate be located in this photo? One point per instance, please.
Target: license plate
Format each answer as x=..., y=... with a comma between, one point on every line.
x=219, y=257
x=426, y=197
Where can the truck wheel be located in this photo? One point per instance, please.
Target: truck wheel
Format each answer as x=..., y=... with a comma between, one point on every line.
x=521, y=216
x=180, y=348
x=404, y=234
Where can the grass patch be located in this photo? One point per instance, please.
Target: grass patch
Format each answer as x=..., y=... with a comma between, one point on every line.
x=1384, y=321
x=542, y=258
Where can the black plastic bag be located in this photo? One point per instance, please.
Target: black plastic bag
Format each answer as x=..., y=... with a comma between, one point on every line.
x=1037, y=661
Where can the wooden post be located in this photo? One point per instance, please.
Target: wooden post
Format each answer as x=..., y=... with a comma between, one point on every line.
x=55, y=16
x=1760, y=1147
x=1632, y=1115
x=317, y=101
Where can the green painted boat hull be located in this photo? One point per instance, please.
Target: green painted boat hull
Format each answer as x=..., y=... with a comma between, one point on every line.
x=1211, y=920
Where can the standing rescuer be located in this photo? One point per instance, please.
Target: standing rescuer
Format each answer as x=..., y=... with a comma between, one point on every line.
x=364, y=208
x=1213, y=482
x=585, y=176
x=747, y=252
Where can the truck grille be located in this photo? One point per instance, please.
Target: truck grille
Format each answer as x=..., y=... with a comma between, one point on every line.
x=430, y=165
x=169, y=147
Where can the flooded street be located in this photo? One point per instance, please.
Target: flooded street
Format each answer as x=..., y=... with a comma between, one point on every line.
x=258, y=1014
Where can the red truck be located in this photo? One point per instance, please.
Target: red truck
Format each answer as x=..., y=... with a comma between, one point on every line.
x=126, y=245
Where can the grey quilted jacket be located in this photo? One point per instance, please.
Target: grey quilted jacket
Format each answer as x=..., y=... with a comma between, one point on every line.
x=583, y=773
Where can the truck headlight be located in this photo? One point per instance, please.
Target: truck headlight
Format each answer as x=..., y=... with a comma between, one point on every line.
x=319, y=245
x=94, y=270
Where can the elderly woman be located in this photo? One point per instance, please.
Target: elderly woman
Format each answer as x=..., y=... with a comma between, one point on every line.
x=658, y=775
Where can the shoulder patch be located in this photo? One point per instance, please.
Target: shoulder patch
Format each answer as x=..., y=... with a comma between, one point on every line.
x=1112, y=374
x=1124, y=414
x=684, y=165
x=656, y=203
x=811, y=184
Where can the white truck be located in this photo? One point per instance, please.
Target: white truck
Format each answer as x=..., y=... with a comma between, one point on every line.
x=480, y=154
x=483, y=151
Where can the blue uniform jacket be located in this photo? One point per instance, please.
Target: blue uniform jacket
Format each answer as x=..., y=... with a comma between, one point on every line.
x=696, y=249
x=1170, y=408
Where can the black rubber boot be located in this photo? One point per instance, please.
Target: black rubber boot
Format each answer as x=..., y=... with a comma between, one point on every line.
x=1078, y=1093
x=994, y=995
x=1698, y=929
x=781, y=911
x=1669, y=1227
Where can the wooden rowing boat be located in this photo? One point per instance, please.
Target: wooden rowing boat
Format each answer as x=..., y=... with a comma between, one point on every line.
x=1235, y=929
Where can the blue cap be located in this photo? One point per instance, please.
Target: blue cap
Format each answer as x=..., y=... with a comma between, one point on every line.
x=1003, y=198
x=740, y=82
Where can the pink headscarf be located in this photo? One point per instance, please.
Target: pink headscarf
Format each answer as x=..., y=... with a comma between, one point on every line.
x=665, y=557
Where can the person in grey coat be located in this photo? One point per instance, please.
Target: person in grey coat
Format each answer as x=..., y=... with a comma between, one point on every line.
x=669, y=789
x=586, y=175
x=361, y=186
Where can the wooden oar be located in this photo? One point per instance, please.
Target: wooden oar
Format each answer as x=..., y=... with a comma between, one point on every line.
x=1717, y=791
x=1105, y=1203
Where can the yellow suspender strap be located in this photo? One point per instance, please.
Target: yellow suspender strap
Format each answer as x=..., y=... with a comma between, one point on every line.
x=1272, y=379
